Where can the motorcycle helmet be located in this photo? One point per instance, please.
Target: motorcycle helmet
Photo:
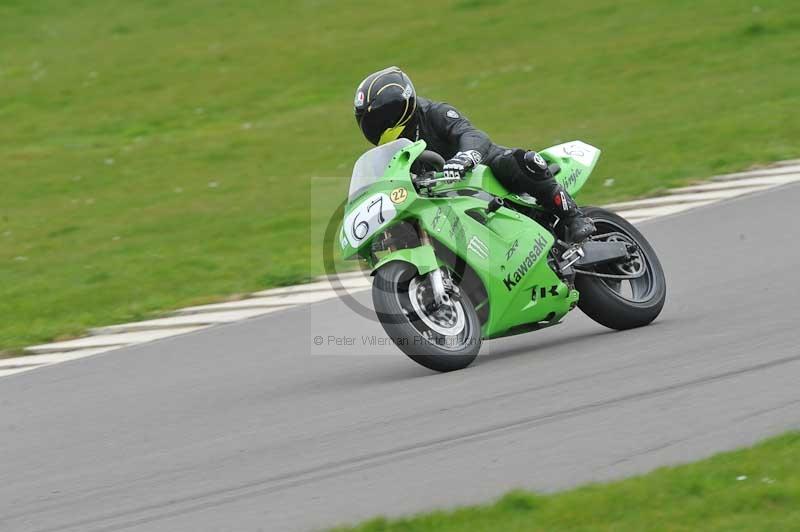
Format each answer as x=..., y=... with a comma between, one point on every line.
x=385, y=105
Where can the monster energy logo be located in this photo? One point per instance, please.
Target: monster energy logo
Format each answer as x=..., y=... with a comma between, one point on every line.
x=477, y=246
x=513, y=278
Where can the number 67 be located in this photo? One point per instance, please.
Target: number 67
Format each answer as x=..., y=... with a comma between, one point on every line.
x=360, y=229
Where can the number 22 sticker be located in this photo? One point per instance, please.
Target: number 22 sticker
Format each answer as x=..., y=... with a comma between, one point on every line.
x=399, y=195
x=368, y=217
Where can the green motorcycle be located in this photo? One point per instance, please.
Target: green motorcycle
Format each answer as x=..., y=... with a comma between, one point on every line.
x=459, y=261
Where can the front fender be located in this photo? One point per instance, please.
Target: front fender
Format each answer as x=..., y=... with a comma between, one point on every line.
x=423, y=258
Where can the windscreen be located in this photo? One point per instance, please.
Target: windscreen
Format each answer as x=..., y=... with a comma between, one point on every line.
x=370, y=167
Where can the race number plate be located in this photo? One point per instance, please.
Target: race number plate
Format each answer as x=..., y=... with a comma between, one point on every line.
x=580, y=151
x=367, y=218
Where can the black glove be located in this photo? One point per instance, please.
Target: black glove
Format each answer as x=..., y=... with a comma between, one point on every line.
x=461, y=163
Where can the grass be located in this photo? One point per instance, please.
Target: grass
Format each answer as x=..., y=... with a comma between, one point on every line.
x=749, y=490
x=159, y=153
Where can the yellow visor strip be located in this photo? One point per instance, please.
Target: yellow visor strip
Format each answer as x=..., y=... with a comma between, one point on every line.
x=393, y=133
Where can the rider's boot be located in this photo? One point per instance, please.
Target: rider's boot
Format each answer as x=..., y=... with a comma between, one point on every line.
x=576, y=226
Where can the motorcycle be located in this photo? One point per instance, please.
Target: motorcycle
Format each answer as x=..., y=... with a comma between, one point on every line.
x=459, y=261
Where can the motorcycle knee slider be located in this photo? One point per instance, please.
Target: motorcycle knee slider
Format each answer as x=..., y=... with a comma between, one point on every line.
x=549, y=192
x=533, y=165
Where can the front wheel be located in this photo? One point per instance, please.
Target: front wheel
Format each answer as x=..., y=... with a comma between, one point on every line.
x=622, y=295
x=443, y=338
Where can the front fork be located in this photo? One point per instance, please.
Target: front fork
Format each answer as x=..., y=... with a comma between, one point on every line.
x=439, y=283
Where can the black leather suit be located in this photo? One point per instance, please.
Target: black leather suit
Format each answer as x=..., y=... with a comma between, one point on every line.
x=447, y=131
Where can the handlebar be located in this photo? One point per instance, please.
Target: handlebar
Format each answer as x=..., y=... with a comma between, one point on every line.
x=429, y=179
x=432, y=175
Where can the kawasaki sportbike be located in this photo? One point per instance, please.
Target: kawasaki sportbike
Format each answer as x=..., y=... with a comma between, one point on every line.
x=459, y=261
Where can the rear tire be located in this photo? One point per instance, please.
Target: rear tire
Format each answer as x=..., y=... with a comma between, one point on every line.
x=604, y=300
x=417, y=335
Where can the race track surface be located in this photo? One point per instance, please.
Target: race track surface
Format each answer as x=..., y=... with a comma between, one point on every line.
x=250, y=426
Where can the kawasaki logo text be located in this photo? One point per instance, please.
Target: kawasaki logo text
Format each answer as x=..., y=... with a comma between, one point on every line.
x=530, y=259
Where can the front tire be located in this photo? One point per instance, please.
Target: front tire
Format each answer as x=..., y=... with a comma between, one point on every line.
x=446, y=339
x=617, y=303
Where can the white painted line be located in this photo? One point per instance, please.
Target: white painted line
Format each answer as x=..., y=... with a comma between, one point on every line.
x=20, y=363
x=789, y=162
x=210, y=318
x=261, y=302
x=265, y=303
x=7, y=372
x=110, y=340
x=353, y=275
x=34, y=360
x=792, y=169
x=684, y=198
x=323, y=285
x=637, y=219
x=738, y=183
x=26, y=363
x=655, y=212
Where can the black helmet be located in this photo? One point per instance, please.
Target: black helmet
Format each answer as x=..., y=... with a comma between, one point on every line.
x=385, y=104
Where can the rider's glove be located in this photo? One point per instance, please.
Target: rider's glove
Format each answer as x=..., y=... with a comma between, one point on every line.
x=461, y=163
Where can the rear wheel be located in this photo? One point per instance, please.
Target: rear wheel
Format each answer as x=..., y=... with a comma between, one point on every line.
x=622, y=295
x=442, y=338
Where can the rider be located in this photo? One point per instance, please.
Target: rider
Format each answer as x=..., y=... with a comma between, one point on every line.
x=387, y=108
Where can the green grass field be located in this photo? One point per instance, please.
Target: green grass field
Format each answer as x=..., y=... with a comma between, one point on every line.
x=158, y=153
x=755, y=489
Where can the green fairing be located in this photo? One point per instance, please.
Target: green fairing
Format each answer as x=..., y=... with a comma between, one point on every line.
x=508, y=252
x=482, y=178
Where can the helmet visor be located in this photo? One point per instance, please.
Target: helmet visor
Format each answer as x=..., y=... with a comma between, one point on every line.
x=391, y=134
x=375, y=123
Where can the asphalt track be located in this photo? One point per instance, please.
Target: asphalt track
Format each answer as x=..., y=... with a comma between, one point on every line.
x=250, y=426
